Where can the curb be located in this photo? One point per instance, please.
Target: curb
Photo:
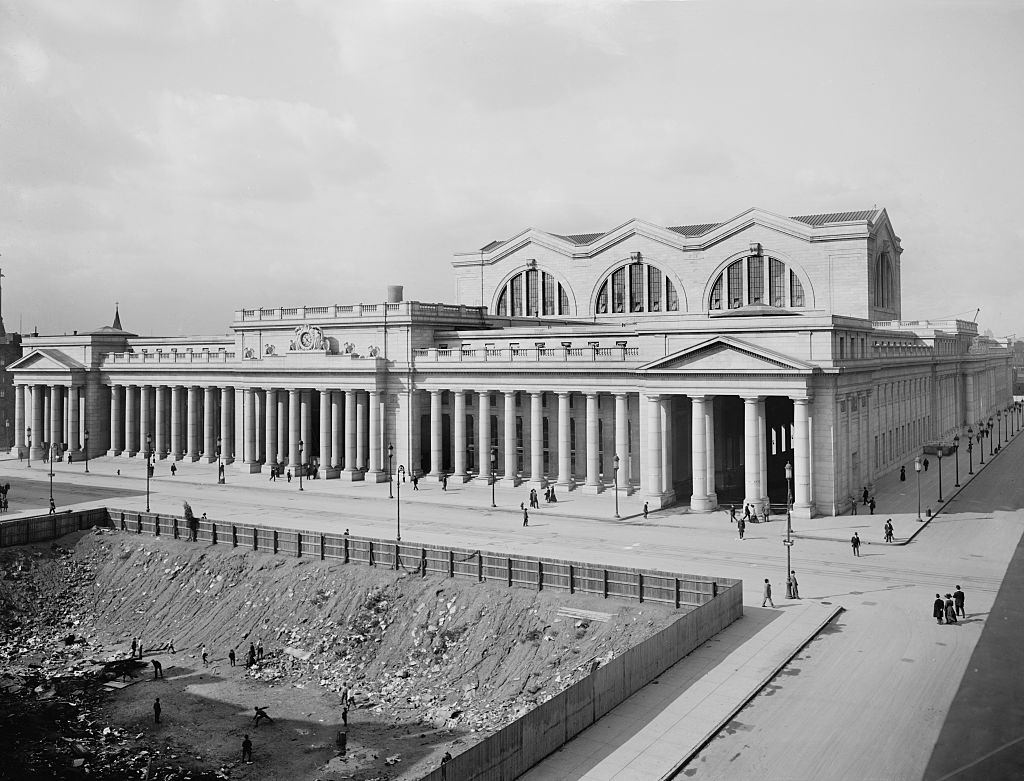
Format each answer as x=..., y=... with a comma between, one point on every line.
x=711, y=733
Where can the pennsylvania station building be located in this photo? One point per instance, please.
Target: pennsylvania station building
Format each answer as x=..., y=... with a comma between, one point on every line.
x=687, y=364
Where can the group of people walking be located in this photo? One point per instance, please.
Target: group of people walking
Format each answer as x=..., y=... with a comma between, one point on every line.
x=946, y=610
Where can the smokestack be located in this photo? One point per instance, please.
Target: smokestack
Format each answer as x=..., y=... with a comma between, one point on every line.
x=394, y=294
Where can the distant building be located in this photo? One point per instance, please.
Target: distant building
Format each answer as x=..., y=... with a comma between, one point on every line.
x=685, y=364
x=10, y=352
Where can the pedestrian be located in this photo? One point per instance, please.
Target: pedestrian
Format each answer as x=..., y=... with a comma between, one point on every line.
x=950, y=610
x=925, y=462
x=206, y=662
x=246, y=749
x=158, y=670
x=903, y=474
x=444, y=482
x=888, y=530
x=342, y=741
x=871, y=505
x=864, y=495
x=645, y=511
x=415, y=482
x=732, y=513
x=767, y=594
x=174, y=470
x=140, y=646
x=526, y=517
x=344, y=715
x=746, y=511
x=853, y=504
x=273, y=474
x=170, y=646
x=793, y=582
x=344, y=695
x=135, y=647
x=288, y=475
x=958, y=602
x=156, y=711
x=553, y=498
x=346, y=532
x=231, y=657
x=53, y=507
x=261, y=713
x=938, y=609
x=259, y=650
x=69, y=459
x=855, y=543
x=767, y=509
x=741, y=527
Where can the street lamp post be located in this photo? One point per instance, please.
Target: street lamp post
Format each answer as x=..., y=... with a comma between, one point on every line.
x=398, y=512
x=28, y=433
x=999, y=429
x=615, y=481
x=956, y=455
x=494, y=478
x=391, y=455
x=788, y=542
x=970, y=450
x=1006, y=429
x=941, y=446
x=51, y=474
x=988, y=433
x=149, y=442
x=299, y=469
x=917, y=468
x=86, y=448
x=220, y=464
x=981, y=441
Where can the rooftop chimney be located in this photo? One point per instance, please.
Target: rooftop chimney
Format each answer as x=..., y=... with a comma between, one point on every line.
x=394, y=294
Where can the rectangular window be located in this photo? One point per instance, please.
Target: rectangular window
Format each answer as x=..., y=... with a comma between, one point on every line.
x=531, y=294
x=671, y=297
x=796, y=290
x=654, y=289
x=619, y=291
x=516, y=295
x=735, y=285
x=842, y=346
x=776, y=282
x=549, y=295
x=755, y=280
x=563, y=302
x=636, y=287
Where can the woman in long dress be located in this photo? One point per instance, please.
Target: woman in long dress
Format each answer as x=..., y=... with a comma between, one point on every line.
x=950, y=610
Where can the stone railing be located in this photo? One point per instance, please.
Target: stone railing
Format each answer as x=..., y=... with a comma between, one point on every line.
x=202, y=356
x=337, y=311
x=531, y=354
x=951, y=325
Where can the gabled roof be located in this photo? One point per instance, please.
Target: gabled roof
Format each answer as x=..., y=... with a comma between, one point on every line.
x=727, y=355
x=46, y=360
x=817, y=220
x=695, y=230
x=580, y=239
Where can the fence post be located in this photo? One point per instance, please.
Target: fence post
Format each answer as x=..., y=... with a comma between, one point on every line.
x=275, y=542
x=370, y=543
x=714, y=589
x=640, y=585
x=213, y=532
x=234, y=536
x=605, y=583
x=54, y=528
x=398, y=560
x=323, y=548
x=451, y=563
x=572, y=584
x=677, y=593
x=423, y=560
x=540, y=575
x=174, y=527
x=510, y=570
x=298, y=544
x=480, y=566
x=346, y=550
x=255, y=538
x=156, y=525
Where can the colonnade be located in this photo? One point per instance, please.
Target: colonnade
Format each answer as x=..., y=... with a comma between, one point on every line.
x=49, y=415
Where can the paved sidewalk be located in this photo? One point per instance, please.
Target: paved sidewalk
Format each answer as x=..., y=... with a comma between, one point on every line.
x=660, y=727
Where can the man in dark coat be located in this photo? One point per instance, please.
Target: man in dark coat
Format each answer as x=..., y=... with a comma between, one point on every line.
x=938, y=608
x=855, y=544
x=958, y=601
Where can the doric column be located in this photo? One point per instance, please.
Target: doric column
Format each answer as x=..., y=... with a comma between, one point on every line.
x=210, y=424
x=176, y=399
x=306, y=425
x=621, y=440
x=459, y=446
x=325, y=432
x=283, y=426
x=762, y=449
x=131, y=420
x=593, y=483
x=38, y=426
x=564, y=443
x=508, y=444
x=74, y=419
x=145, y=412
x=362, y=429
x=337, y=427
x=537, y=439
x=667, y=469
x=373, y=463
x=294, y=436
x=751, y=454
x=865, y=417
x=19, y=421
x=194, y=423
x=352, y=471
x=436, y=452
x=483, y=447
x=801, y=459
x=160, y=440
x=699, y=455
x=249, y=450
x=270, y=437
x=56, y=436
x=652, y=470
x=709, y=432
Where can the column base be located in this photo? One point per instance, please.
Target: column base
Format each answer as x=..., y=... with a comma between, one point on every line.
x=193, y=457
x=375, y=476
x=130, y=453
x=178, y=456
x=113, y=452
x=592, y=489
x=701, y=504
x=657, y=501
x=330, y=472
x=207, y=459
x=757, y=506
x=351, y=475
x=19, y=451
x=804, y=512
x=161, y=456
x=539, y=482
x=459, y=478
x=249, y=468
x=509, y=482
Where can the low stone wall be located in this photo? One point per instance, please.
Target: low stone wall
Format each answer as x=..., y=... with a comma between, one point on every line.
x=522, y=744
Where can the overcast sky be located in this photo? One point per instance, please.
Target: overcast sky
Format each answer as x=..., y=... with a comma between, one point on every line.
x=190, y=158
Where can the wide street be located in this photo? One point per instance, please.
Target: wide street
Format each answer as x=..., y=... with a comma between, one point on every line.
x=867, y=699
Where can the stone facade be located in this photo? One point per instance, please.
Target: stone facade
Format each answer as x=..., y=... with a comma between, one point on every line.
x=688, y=364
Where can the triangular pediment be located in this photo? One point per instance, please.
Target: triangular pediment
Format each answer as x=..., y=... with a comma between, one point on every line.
x=726, y=355
x=46, y=360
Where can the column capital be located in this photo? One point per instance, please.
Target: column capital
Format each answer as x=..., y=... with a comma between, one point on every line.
x=752, y=399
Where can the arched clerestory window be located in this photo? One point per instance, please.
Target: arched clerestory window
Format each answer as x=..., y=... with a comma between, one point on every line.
x=532, y=293
x=756, y=281
x=636, y=287
x=884, y=282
